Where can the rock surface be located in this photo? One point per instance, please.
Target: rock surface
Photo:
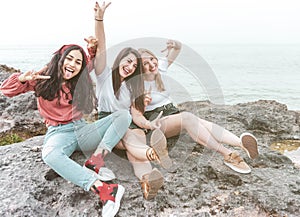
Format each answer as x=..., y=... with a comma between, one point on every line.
x=19, y=114
x=199, y=185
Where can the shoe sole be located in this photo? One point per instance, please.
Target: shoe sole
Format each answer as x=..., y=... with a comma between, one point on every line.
x=249, y=144
x=236, y=169
x=159, y=143
x=103, y=175
x=118, y=198
x=155, y=182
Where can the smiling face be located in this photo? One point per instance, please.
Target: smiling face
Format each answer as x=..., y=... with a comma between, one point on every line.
x=150, y=64
x=72, y=64
x=128, y=65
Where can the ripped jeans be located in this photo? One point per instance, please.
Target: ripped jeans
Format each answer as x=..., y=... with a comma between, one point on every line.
x=62, y=140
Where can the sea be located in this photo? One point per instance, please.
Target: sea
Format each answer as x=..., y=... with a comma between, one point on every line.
x=234, y=73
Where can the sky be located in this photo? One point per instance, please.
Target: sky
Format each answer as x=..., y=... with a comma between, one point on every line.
x=190, y=21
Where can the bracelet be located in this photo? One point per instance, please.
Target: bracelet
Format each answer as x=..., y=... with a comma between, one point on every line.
x=98, y=19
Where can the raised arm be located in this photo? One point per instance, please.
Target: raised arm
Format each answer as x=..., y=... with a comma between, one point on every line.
x=100, y=58
x=19, y=83
x=173, y=49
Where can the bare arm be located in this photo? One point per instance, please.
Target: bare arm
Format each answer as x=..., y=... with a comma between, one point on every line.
x=33, y=75
x=100, y=58
x=173, y=49
x=140, y=120
x=19, y=83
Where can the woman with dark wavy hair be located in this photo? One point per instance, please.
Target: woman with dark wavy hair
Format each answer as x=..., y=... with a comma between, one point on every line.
x=64, y=93
x=122, y=87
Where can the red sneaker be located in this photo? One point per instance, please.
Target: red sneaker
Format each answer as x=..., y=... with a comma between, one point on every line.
x=110, y=196
x=96, y=164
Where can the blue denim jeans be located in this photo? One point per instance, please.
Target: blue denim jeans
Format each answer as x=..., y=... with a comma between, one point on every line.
x=62, y=140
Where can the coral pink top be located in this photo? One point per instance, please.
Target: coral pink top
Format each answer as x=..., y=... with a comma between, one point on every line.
x=54, y=113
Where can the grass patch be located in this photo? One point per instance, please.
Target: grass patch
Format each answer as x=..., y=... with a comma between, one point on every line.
x=10, y=139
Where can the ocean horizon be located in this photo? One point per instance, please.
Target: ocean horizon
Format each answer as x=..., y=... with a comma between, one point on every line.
x=242, y=72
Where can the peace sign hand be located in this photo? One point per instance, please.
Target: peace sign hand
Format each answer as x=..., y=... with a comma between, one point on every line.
x=99, y=11
x=155, y=124
x=32, y=75
x=92, y=43
x=171, y=44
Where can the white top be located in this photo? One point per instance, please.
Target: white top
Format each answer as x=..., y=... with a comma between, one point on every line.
x=159, y=98
x=107, y=100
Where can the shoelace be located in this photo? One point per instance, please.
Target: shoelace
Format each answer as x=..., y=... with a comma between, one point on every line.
x=151, y=155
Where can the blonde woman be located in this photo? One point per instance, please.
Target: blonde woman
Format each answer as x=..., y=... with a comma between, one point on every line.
x=201, y=131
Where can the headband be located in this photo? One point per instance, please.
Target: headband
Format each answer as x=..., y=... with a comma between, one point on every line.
x=65, y=47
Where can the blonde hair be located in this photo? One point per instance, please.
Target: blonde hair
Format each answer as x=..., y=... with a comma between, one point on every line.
x=158, y=80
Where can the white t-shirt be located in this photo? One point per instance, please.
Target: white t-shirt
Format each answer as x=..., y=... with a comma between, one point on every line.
x=159, y=98
x=107, y=100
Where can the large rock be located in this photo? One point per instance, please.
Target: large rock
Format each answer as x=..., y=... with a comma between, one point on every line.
x=199, y=184
x=19, y=115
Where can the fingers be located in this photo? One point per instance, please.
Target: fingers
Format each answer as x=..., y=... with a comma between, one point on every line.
x=92, y=42
x=159, y=115
x=45, y=77
x=100, y=10
x=34, y=75
x=147, y=100
x=170, y=44
x=42, y=69
x=96, y=7
x=164, y=50
x=158, y=125
x=108, y=4
x=27, y=73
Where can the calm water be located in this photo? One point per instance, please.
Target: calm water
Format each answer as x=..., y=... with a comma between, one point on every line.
x=243, y=72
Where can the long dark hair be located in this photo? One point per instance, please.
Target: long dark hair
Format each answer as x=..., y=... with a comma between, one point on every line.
x=134, y=82
x=83, y=98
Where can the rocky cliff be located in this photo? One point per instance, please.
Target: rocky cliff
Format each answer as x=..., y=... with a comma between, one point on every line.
x=199, y=185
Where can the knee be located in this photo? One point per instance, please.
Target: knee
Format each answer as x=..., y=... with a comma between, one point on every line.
x=187, y=116
x=187, y=119
x=125, y=116
x=48, y=154
x=133, y=137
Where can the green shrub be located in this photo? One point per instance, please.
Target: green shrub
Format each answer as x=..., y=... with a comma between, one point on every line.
x=10, y=139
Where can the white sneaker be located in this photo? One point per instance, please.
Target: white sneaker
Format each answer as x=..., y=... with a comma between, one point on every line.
x=110, y=196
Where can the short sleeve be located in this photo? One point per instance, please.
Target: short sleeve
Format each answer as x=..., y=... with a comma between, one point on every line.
x=163, y=65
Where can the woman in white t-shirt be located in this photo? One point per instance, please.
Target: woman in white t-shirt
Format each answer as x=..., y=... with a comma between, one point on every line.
x=201, y=131
x=122, y=87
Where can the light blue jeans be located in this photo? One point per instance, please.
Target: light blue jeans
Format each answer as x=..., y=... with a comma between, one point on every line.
x=62, y=140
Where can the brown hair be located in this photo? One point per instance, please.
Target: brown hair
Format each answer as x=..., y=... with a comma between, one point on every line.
x=158, y=80
x=84, y=97
x=134, y=82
